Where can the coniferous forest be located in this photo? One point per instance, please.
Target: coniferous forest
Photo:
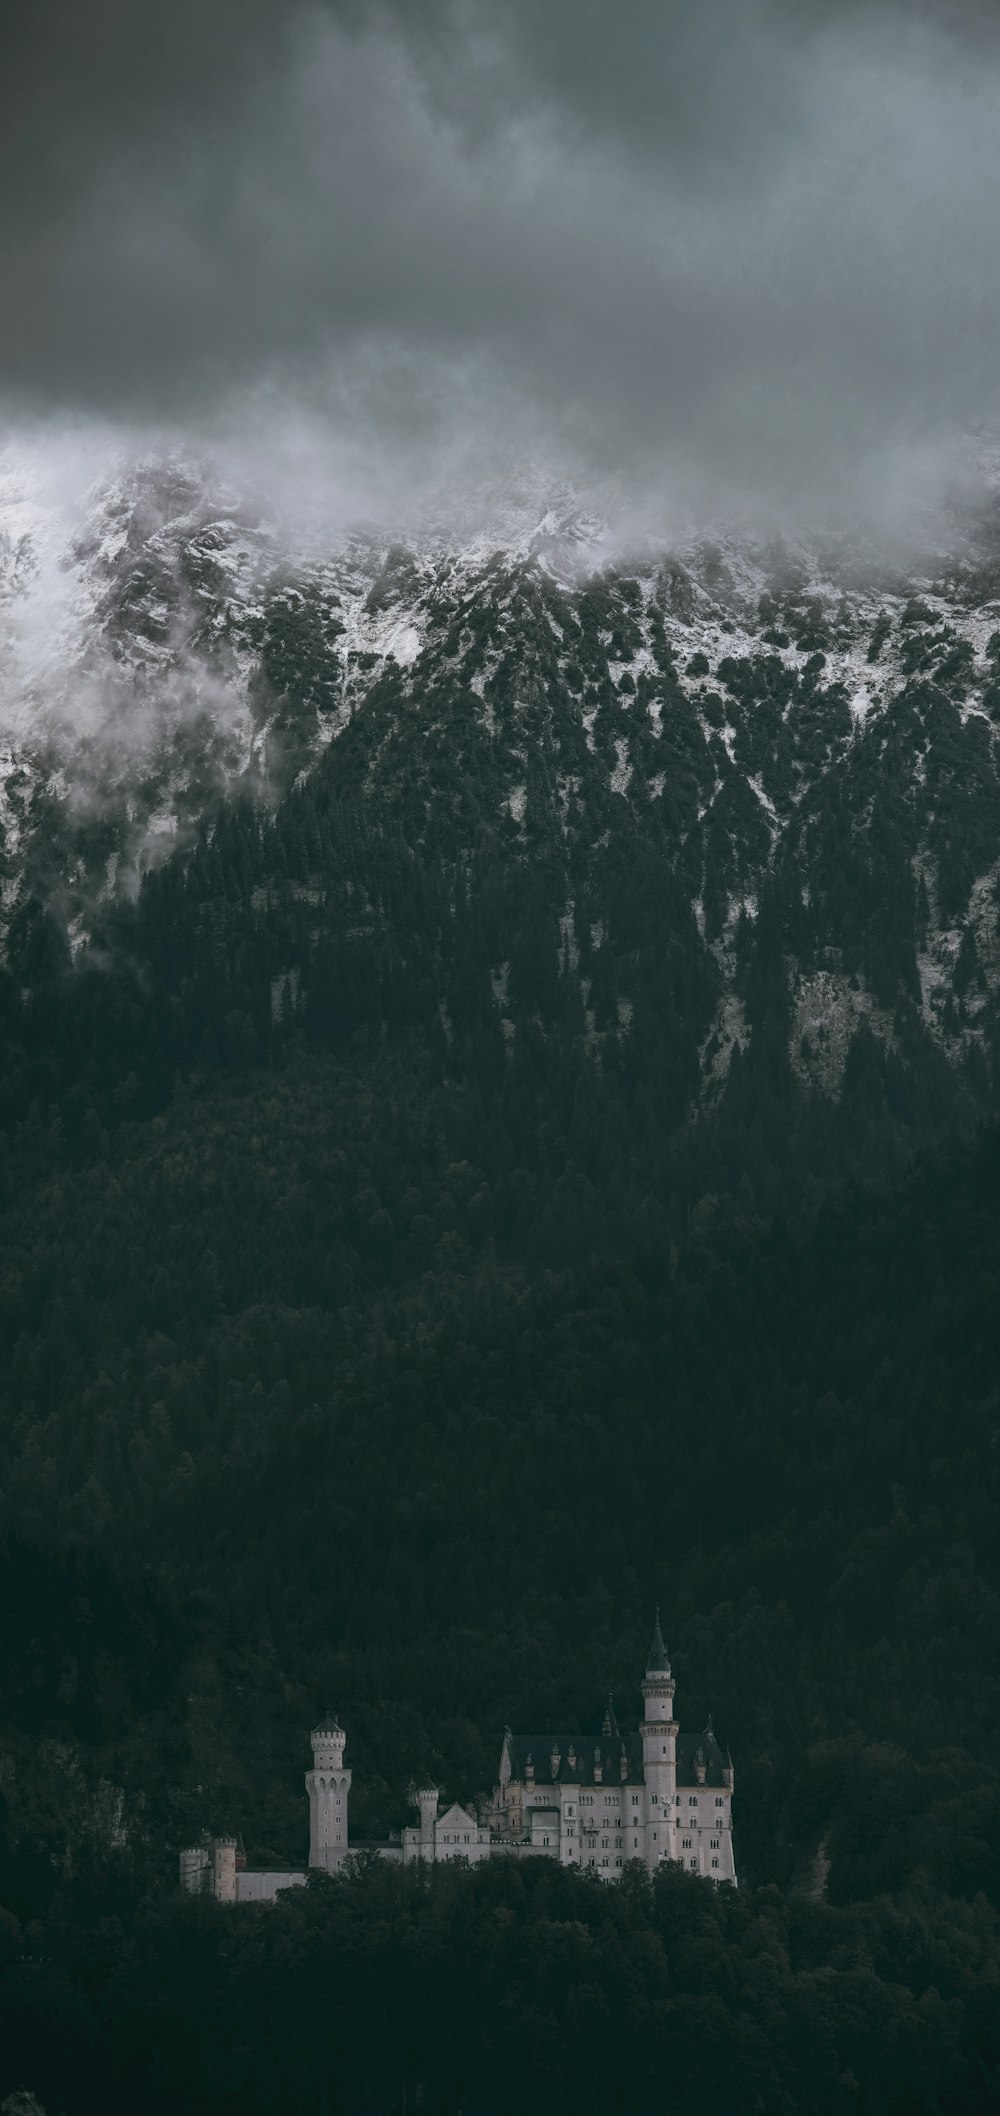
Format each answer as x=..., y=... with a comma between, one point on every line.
x=391, y=1319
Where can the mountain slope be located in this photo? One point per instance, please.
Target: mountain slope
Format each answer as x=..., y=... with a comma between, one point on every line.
x=521, y=1147
x=800, y=756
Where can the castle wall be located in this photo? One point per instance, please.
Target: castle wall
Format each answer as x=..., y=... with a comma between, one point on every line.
x=454, y=1835
x=254, y=1886
x=704, y=1834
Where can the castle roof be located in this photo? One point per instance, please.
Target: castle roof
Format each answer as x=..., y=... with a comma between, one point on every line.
x=578, y=1755
x=701, y=1750
x=590, y=1749
x=657, y=1662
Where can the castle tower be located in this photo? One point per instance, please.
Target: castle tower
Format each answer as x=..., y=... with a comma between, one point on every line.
x=224, y=1869
x=328, y=1785
x=659, y=1753
x=427, y=1796
x=196, y=1868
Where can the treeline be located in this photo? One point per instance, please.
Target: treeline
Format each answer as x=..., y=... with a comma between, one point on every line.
x=509, y=1987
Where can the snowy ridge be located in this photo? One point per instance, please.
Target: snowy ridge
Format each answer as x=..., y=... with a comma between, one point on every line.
x=162, y=641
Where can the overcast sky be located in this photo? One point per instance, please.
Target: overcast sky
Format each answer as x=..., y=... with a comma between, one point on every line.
x=752, y=248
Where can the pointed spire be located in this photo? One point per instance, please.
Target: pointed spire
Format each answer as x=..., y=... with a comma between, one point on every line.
x=657, y=1662
x=610, y=1724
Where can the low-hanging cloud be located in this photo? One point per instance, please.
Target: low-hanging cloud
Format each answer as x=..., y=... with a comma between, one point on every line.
x=747, y=249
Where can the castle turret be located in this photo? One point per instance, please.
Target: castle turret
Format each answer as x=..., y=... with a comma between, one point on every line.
x=328, y=1785
x=659, y=1752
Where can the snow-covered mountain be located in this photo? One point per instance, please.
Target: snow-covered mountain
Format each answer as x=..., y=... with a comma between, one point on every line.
x=798, y=726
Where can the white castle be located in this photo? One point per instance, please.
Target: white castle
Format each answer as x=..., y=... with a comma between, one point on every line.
x=591, y=1802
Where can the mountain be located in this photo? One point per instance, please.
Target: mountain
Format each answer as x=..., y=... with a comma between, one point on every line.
x=799, y=745
x=498, y=1038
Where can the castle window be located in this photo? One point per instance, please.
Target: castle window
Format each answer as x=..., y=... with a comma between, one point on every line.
x=715, y=1862
x=693, y=1862
x=715, y=1843
x=635, y=1841
x=618, y=1862
x=719, y=1801
x=686, y=1843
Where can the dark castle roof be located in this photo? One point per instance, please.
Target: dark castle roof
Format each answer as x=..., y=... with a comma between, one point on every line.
x=693, y=1751
x=589, y=1749
x=657, y=1662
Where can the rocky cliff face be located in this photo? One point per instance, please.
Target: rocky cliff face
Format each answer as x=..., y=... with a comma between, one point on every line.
x=793, y=749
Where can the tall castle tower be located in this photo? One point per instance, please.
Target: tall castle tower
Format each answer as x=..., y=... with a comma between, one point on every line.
x=328, y=1785
x=427, y=1797
x=659, y=1753
x=224, y=1869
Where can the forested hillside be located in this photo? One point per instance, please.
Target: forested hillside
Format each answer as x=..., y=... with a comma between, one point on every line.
x=529, y=1157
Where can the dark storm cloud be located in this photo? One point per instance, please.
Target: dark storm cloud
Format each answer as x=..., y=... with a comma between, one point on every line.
x=758, y=243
